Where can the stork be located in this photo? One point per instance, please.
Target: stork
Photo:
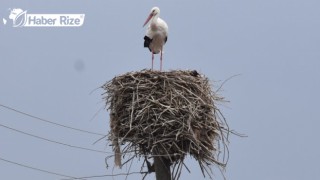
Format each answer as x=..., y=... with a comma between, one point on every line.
x=156, y=35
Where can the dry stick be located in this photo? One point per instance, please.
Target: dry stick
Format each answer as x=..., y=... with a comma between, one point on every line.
x=180, y=170
x=186, y=167
x=177, y=172
x=129, y=169
x=132, y=110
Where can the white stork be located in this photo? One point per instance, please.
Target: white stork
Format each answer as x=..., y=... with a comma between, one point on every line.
x=157, y=34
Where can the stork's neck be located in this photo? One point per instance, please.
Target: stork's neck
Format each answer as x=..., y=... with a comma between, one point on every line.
x=154, y=23
x=154, y=19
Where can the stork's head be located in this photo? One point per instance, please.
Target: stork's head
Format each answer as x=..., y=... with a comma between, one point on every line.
x=155, y=11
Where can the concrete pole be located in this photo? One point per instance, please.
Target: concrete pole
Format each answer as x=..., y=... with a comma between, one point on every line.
x=162, y=168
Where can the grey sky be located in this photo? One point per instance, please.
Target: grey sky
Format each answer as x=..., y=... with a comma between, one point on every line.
x=274, y=45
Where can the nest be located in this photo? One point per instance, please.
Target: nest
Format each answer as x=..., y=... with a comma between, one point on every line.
x=169, y=114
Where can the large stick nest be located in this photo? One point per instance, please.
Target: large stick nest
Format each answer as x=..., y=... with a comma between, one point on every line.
x=169, y=114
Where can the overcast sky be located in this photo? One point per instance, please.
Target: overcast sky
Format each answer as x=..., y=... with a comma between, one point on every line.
x=50, y=72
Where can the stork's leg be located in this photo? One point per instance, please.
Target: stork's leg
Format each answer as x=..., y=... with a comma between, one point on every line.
x=161, y=60
x=152, y=60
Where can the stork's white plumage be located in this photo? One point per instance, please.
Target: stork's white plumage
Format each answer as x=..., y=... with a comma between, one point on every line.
x=157, y=34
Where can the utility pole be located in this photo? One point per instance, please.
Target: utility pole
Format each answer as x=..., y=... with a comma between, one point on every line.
x=162, y=168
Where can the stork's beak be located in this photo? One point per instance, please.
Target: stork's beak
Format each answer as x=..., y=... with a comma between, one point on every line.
x=148, y=19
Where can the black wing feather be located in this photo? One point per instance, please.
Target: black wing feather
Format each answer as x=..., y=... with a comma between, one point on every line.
x=147, y=42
